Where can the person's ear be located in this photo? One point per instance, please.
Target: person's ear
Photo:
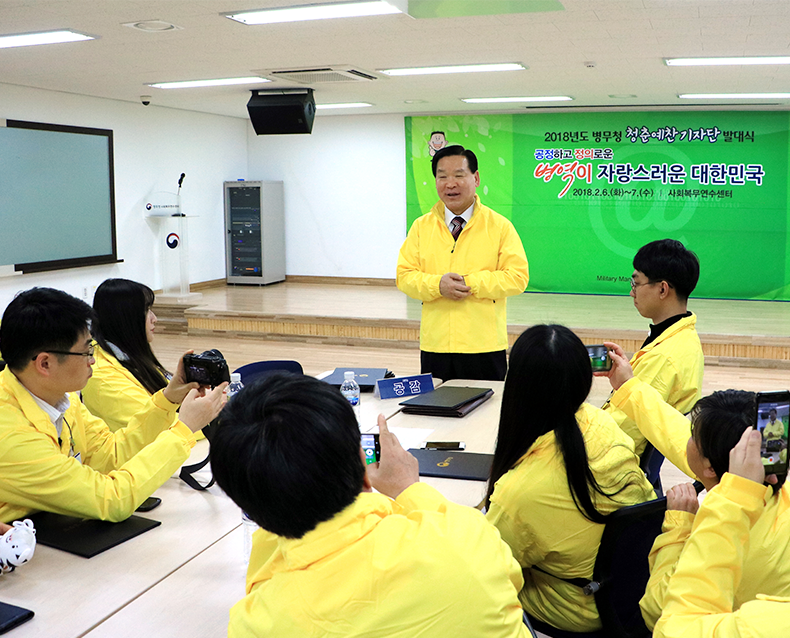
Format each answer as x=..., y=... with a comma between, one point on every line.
x=43, y=363
x=708, y=472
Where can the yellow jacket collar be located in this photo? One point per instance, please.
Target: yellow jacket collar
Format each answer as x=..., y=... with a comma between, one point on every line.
x=37, y=418
x=438, y=210
x=682, y=324
x=354, y=522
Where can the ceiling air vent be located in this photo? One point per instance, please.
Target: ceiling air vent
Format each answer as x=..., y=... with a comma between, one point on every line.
x=322, y=75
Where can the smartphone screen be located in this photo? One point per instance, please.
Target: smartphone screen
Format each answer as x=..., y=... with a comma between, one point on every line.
x=599, y=358
x=370, y=446
x=772, y=419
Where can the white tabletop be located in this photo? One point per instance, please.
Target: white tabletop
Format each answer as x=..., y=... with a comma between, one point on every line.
x=478, y=430
x=70, y=595
x=181, y=578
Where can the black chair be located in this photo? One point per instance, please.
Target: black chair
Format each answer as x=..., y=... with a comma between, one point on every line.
x=252, y=370
x=620, y=574
x=651, y=462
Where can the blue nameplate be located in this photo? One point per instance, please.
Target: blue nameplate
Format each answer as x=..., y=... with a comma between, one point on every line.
x=399, y=387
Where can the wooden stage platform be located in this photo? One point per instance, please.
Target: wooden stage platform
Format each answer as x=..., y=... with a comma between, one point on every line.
x=375, y=314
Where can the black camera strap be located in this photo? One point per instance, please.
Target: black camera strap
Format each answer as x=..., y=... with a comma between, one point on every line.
x=188, y=470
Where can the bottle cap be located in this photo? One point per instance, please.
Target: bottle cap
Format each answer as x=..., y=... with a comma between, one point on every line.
x=348, y=375
x=235, y=377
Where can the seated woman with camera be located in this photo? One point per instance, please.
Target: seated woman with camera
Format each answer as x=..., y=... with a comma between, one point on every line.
x=126, y=373
x=560, y=467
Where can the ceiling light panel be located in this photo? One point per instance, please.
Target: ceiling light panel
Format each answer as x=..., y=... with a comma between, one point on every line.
x=734, y=96
x=191, y=84
x=347, y=105
x=316, y=12
x=504, y=100
x=741, y=61
x=462, y=68
x=45, y=37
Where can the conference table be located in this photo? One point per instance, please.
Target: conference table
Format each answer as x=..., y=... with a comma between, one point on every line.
x=181, y=578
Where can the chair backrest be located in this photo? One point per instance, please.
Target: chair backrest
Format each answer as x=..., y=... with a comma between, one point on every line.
x=651, y=462
x=622, y=567
x=252, y=370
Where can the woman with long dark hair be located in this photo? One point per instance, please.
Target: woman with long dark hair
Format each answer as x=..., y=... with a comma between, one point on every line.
x=560, y=467
x=127, y=371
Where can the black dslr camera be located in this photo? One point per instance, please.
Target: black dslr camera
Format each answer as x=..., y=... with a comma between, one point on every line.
x=207, y=368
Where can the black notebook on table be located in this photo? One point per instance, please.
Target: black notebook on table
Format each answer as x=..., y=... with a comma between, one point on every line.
x=447, y=400
x=86, y=537
x=456, y=465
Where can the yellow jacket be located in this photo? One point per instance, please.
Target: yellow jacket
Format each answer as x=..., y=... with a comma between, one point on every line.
x=766, y=563
x=775, y=430
x=699, y=603
x=118, y=470
x=415, y=567
x=673, y=364
x=661, y=424
x=491, y=258
x=113, y=393
x=533, y=509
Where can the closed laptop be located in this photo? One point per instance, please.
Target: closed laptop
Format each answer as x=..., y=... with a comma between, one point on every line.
x=365, y=377
x=446, y=400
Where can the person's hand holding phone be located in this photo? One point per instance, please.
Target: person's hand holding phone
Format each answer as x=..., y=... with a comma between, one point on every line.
x=178, y=388
x=683, y=497
x=397, y=469
x=745, y=458
x=621, y=368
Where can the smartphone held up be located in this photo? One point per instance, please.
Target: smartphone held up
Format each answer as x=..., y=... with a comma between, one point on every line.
x=599, y=358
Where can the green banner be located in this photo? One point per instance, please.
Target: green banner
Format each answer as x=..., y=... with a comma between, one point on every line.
x=586, y=190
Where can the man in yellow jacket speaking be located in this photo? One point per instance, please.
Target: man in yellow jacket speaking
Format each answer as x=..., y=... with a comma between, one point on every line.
x=463, y=261
x=332, y=557
x=54, y=454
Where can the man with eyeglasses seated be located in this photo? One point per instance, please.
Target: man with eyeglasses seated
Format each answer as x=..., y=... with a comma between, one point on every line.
x=54, y=454
x=670, y=359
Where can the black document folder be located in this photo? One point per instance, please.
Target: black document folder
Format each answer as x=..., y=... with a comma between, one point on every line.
x=455, y=465
x=365, y=377
x=86, y=537
x=447, y=400
x=12, y=616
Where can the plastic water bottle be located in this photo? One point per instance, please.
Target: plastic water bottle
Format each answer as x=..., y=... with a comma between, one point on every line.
x=248, y=528
x=235, y=385
x=350, y=390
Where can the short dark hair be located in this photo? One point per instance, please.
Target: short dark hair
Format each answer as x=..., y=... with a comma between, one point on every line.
x=121, y=308
x=455, y=149
x=286, y=450
x=437, y=133
x=38, y=320
x=669, y=260
x=718, y=422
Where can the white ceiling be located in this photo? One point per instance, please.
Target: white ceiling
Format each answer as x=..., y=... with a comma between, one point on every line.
x=627, y=40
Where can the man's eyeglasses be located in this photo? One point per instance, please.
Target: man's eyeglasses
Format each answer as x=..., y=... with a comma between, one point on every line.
x=89, y=353
x=635, y=285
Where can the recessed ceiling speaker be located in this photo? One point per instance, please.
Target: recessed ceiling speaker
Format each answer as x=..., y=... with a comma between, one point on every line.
x=281, y=111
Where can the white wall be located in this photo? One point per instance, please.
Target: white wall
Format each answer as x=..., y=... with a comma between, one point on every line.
x=153, y=146
x=345, y=187
x=345, y=193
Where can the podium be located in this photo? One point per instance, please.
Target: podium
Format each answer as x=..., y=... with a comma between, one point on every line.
x=173, y=240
